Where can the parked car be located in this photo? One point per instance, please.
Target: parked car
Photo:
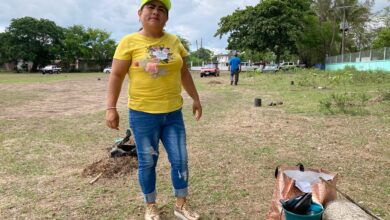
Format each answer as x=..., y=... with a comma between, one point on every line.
x=209, y=70
x=107, y=70
x=245, y=66
x=270, y=68
x=51, y=69
x=287, y=66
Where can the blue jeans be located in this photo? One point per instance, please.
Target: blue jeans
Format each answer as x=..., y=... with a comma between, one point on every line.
x=234, y=75
x=148, y=129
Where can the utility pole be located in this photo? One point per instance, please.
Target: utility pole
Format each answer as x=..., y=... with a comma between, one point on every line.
x=344, y=27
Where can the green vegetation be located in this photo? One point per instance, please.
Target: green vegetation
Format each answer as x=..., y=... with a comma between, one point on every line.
x=41, y=41
x=306, y=29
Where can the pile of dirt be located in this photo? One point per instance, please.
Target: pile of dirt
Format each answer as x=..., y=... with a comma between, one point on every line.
x=111, y=167
x=214, y=82
x=377, y=99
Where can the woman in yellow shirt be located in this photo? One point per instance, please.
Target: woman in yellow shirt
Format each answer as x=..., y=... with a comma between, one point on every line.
x=154, y=62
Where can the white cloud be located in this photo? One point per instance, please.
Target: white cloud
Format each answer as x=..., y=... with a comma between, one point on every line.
x=192, y=19
x=380, y=4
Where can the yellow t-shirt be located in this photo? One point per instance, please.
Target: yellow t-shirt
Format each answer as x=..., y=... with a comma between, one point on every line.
x=154, y=73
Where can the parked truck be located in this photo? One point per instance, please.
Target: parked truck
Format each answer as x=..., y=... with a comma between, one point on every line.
x=51, y=69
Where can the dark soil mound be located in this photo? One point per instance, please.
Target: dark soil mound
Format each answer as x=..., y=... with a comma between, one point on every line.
x=377, y=99
x=213, y=82
x=111, y=167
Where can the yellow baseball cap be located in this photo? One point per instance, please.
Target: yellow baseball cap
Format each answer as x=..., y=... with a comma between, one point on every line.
x=167, y=3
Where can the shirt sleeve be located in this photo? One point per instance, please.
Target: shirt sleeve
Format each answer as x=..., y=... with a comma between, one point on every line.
x=183, y=52
x=123, y=50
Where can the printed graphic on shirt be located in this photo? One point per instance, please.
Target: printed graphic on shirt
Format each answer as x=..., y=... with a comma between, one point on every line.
x=156, y=55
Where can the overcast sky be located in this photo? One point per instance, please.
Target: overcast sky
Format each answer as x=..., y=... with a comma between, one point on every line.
x=192, y=19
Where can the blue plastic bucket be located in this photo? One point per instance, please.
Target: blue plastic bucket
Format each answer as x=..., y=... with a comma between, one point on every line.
x=315, y=213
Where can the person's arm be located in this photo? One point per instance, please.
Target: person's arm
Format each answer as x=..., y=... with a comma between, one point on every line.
x=117, y=75
x=189, y=86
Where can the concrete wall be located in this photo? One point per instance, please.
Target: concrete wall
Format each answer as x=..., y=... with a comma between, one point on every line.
x=383, y=65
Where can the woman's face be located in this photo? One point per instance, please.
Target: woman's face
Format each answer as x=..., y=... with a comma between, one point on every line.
x=153, y=15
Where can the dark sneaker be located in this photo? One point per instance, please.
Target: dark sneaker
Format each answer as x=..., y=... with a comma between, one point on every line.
x=185, y=212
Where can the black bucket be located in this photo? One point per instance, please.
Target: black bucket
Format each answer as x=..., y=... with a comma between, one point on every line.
x=257, y=102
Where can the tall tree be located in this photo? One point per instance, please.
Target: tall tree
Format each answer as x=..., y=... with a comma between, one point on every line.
x=100, y=47
x=185, y=42
x=75, y=44
x=314, y=40
x=34, y=40
x=5, y=48
x=383, y=38
x=256, y=56
x=270, y=25
x=355, y=13
x=203, y=54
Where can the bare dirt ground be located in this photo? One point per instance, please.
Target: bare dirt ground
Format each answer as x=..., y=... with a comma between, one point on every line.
x=64, y=98
x=233, y=153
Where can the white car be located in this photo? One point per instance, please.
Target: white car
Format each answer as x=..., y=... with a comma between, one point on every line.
x=51, y=69
x=270, y=68
x=287, y=66
x=107, y=70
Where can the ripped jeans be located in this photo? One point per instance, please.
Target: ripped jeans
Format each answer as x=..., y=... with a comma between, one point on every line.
x=147, y=130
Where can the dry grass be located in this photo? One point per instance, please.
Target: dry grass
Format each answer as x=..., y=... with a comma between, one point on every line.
x=54, y=130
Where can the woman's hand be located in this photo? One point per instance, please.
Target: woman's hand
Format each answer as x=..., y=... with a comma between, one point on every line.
x=112, y=118
x=117, y=75
x=197, y=110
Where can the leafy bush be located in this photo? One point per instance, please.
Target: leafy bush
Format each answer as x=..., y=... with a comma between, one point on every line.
x=386, y=95
x=346, y=103
x=311, y=78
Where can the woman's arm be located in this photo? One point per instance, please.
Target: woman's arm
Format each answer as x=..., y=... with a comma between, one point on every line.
x=117, y=75
x=189, y=86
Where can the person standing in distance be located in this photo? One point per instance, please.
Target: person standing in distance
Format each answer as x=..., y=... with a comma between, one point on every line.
x=154, y=62
x=235, y=69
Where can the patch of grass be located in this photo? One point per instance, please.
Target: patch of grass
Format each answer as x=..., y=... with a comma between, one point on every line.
x=350, y=103
x=13, y=98
x=10, y=78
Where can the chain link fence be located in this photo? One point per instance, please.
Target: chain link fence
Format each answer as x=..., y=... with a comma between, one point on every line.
x=362, y=56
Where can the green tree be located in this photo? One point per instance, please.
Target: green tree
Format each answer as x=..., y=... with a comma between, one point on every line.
x=204, y=55
x=356, y=14
x=272, y=25
x=256, y=56
x=5, y=48
x=33, y=40
x=357, y=37
x=185, y=42
x=100, y=47
x=313, y=42
x=75, y=44
x=383, y=39
x=89, y=44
